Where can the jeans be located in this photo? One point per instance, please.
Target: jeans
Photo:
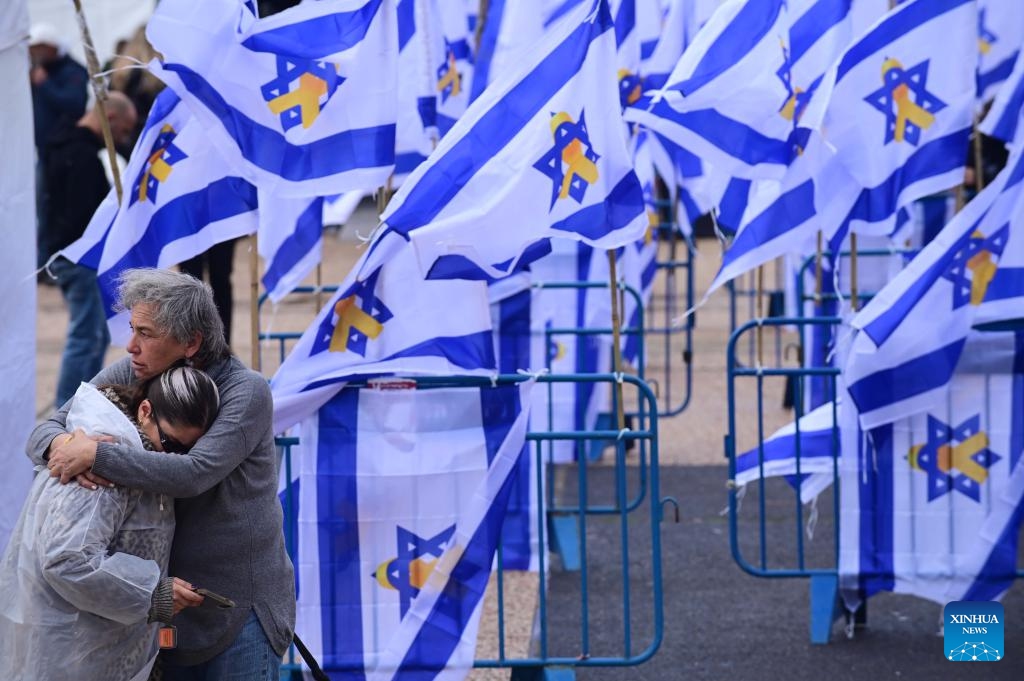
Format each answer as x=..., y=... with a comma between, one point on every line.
x=249, y=658
x=88, y=336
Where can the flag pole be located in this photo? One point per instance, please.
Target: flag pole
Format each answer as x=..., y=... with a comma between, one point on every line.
x=854, y=299
x=817, y=273
x=481, y=19
x=613, y=285
x=99, y=89
x=760, y=315
x=254, y=301
x=979, y=176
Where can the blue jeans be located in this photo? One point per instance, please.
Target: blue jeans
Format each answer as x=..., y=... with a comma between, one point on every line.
x=88, y=336
x=249, y=658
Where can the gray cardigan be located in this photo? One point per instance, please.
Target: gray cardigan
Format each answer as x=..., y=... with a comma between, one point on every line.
x=229, y=536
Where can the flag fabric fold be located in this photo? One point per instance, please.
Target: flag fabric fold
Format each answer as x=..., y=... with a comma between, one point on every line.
x=302, y=103
x=543, y=153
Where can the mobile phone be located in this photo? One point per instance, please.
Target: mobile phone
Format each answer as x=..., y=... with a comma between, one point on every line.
x=221, y=601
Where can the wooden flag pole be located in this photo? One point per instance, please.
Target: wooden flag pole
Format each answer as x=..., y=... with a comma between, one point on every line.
x=817, y=273
x=99, y=90
x=613, y=285
x=760, y=315
x=854, y=298
x=254, y=301
x=979, y=163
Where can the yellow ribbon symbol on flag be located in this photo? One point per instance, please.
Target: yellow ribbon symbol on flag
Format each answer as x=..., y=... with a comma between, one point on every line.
x=306, y=97
x=156, y=167
x=451, y=77
x=983, y=269
x=351, y=316
x=906, y=108
x=789, y=108
x=572, y=155
x=958, y=457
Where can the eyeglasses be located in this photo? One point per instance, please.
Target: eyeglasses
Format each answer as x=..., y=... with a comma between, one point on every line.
x=167, y=443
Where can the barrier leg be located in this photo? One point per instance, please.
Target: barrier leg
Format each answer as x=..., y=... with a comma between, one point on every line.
x=824, y=610
x=565, y=537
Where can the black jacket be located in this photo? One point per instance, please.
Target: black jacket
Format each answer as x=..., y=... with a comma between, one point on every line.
x=60, y=99
x=76, y=185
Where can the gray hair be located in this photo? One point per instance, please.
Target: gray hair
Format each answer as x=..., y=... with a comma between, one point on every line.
x=182, y=307
x=184, y=396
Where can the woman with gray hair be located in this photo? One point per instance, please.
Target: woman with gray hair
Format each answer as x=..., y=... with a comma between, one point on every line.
x=229, y=536
x=84, y=577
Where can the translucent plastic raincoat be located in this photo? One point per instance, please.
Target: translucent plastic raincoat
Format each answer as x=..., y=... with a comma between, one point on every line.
x=77, y=578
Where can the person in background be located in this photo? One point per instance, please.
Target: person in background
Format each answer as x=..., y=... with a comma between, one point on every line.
x=77, y=184
x=218, y=262
x=229, y=536
x=59, y=94
x=84, y=577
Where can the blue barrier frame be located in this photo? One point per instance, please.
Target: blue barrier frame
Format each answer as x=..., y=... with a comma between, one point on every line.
x=668, y=329
x=543, y=664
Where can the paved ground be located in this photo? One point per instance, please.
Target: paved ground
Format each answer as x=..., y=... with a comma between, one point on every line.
x=720, y=623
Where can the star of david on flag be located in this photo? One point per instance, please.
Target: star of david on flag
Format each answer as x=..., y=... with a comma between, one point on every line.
x=986, y=38
x=300, y=90
x=449, y=80
x=571, y=162
x=905, y=100
x=964, y=449
x=162, y=156
x=973, y=266
x=407, y=573
x=359, y=316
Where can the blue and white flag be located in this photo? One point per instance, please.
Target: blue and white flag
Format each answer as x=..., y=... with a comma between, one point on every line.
x=901, y=111
x=401, y=496
x=807, y=447
x=678, y=31
x=303, y=102
x=542, y=154
x=180, y=199
x=512, y=29
x=912, y=334
x=932, y=503
x=1003, y=120
x=290, y=241
x=1000, y=37
x=384, y=319
x=723, y=100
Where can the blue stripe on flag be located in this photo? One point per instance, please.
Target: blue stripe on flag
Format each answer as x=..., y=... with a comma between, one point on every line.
x=308, y=228
x=587, y=346
x=473, y=351
x=485, y=50
x=939, y=156
x=813, y=444
x=734, y=203
x=560, y=11
x=787, y=212
x=887, y=322
x=341, y=566
x=746, y=29
x=625, y=21
x=686, y=163
x=460, y=267
x=183, y=216
x=614, y=212
x=495, y=129
x=91, y=258
x=270, y=150
x=894, y=27
x=162, y=106
x=441, y=631
x=876, y=507
x=647, y=48
x=731, y=136
x=914, y=377
x=318, y=37
x=813, y=24
x=1008, y=282
x=1006, y=125
x=997, y=74
x=406, y=22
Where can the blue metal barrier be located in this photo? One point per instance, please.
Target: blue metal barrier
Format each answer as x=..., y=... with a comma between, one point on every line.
x=671, y=298
x=543, y=662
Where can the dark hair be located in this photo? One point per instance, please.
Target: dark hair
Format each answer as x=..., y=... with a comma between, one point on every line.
x=183, y=396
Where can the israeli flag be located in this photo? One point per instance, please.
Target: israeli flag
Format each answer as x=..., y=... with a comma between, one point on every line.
x=303, y=103
x=542, y=154
x=401, y=497
x=677, y=32
x=932, y=503
x=901, y=110
x=1003, y=119
x=180, y=199
x=639, y=260
x=289, y=240
x=912, y=334
x=1000, y=35
x=805, y=451
x=722, y=101
x=385, y=320
x=512, y=28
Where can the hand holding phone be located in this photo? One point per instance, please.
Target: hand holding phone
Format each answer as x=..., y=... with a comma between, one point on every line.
x=216, y=598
